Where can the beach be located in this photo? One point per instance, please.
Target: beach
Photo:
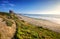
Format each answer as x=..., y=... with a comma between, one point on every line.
x=41, y=22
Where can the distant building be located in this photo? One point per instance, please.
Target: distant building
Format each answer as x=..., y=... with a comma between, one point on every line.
x=11, y=12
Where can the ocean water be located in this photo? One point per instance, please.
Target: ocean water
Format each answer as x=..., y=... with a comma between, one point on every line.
x=51, y=17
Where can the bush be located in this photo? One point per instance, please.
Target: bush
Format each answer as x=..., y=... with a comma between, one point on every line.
x=9, y=23
x=34, y=34
x=22, y=20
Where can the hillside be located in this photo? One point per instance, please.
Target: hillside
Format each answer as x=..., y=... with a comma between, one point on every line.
x=14, y=27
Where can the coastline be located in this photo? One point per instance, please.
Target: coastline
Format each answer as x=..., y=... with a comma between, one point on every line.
x=40, y=22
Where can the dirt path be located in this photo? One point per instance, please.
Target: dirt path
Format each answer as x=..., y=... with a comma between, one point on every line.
x=44, y=23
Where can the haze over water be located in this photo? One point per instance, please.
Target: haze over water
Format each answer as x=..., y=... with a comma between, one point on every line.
x=51, y=17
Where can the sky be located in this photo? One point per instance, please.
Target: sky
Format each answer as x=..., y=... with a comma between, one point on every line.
x=31, y=6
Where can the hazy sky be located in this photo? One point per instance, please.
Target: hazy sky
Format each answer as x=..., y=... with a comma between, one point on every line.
x=31, y=6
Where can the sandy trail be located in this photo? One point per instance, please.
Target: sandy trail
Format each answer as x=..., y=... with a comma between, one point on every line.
x=44, y=23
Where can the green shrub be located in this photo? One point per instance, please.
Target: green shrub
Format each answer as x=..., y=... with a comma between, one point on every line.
x=14, y=17
x=22, y=20
x=40, y=27
x=9, y=23
x=34, y=34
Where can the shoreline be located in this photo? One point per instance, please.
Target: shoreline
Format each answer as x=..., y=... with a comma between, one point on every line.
x=52, y=19
x=44, y=23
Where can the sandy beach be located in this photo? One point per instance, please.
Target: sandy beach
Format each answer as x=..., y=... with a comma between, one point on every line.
x=44, y=23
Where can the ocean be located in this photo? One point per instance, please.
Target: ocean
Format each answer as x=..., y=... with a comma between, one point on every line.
x=51, y=17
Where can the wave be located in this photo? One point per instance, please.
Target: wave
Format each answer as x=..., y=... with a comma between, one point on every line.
x=53, y=18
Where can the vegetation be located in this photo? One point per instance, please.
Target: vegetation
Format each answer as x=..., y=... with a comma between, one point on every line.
x=28, y=31
x=6, y=17
x=9, y=23
x=4, y=14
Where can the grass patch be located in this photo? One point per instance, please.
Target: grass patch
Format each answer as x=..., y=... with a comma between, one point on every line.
x=33, y=32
